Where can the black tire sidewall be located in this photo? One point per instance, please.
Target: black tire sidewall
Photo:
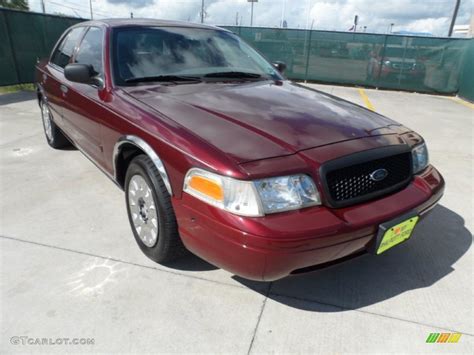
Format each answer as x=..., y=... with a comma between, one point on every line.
x=140, y=167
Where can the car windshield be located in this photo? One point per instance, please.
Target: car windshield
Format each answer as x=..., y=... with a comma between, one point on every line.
x=174, y=53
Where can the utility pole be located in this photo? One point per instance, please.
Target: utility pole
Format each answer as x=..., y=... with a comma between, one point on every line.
x=283, y=10
x=453, y=20
x=202, y=11
x=308, y=51
x=251, y=11
x=90, y=5
x=42, y=7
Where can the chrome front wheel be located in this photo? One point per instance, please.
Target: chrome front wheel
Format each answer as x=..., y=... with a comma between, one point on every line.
x=150, y=211
x=143, y=211
x=54, y=136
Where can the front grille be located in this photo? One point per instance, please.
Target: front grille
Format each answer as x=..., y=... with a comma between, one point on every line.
x=352, y=183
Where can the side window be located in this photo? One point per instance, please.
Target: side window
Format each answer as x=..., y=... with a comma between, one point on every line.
x=63, y=52
x=90, y=50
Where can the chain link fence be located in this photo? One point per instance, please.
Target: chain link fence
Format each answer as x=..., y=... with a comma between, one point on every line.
x=422, y=64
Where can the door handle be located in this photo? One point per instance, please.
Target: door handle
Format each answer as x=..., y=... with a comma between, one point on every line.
x=64, y=88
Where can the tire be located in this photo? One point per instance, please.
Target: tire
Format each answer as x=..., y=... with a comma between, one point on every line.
x=159, y=241
x=55, y=138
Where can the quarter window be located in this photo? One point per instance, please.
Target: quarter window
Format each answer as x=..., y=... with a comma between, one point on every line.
x=90, y=50
x=63, y=53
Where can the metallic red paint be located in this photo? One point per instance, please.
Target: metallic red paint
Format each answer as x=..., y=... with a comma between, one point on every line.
x=271, y=247
x=247, y=131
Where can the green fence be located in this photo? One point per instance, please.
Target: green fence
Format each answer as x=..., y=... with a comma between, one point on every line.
x=24, y=37
x=422, y=64
x=466, y=84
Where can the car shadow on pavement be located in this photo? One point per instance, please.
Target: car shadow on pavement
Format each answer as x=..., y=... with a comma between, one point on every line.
x=190, y=262
x=14, y=97
x=438, y=243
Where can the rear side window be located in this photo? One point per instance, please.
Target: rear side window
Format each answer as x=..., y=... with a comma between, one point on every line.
x=90, y=50
x=63, y=52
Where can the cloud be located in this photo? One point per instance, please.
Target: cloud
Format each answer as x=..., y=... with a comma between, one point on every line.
x=412, y=15
x=132, y=3
x=423, y=16
x=430, y=25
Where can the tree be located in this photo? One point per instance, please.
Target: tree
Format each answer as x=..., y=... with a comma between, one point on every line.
x=15, y=4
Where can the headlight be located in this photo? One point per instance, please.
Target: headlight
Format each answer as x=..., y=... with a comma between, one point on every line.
x=420, y=157
x=287, y=193
x=387, y=63
x=252, y=198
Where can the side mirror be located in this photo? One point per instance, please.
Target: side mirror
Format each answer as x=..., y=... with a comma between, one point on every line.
x=280, y=66
x=81, y=73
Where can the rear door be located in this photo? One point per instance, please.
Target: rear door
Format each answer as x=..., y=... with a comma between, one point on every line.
x=83, y=108
x=53, y=80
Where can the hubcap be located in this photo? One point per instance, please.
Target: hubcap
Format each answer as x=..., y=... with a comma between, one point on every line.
x=143, y=210
x=45, y=115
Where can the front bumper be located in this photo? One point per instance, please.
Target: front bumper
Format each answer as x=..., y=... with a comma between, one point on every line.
x=271, y=247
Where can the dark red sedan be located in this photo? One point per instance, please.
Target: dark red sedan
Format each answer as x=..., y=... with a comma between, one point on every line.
x=218, y=153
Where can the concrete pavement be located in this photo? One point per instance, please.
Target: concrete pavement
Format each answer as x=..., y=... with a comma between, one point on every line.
x=71, y=268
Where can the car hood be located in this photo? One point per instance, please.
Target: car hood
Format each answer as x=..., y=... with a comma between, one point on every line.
x=257, y=120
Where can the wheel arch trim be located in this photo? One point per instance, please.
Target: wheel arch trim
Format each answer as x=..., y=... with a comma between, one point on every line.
x=148, y=150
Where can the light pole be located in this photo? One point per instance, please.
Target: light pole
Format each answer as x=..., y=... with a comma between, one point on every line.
x=453, y=20
x=283, y=13
x=202, y=11
x=391, y=28
x=90, y=5
x=251, y=11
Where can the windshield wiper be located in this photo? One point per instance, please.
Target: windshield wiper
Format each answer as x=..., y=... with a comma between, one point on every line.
x=233, y=74
x=165, y=78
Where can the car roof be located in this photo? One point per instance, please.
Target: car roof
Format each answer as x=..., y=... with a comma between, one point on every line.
x=132, y=22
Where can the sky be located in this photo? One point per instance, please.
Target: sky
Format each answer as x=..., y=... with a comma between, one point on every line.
x=431, y=16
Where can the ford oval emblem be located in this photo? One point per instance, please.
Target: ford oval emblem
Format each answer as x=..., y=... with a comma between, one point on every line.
x=379, y=174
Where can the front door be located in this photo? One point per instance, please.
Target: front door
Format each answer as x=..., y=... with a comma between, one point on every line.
x=53, y=79
x=83, y=109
